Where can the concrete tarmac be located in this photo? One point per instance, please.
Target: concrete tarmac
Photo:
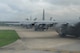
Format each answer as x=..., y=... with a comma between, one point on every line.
x=39, y=42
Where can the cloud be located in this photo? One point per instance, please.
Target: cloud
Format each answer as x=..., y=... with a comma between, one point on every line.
x=22, y=9
x=4, y=8
x=63, y=2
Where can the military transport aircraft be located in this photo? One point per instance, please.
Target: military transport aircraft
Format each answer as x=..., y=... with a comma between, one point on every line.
x=39, y=25
x=68, y=29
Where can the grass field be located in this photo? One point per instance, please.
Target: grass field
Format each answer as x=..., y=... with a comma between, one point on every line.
x=7, y=37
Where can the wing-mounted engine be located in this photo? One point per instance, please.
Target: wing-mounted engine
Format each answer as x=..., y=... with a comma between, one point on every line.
x=66, y=30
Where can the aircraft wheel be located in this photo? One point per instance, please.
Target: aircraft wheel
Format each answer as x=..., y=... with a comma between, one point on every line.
x=62, y=35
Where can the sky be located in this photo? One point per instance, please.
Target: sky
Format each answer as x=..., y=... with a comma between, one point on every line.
x=18, y=10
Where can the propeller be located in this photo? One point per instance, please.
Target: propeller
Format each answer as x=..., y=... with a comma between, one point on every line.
x=27, y=19
x=35, y=19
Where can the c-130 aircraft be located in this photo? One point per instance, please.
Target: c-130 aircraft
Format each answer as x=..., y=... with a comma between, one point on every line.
x=68, y=29
x=39, y=25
